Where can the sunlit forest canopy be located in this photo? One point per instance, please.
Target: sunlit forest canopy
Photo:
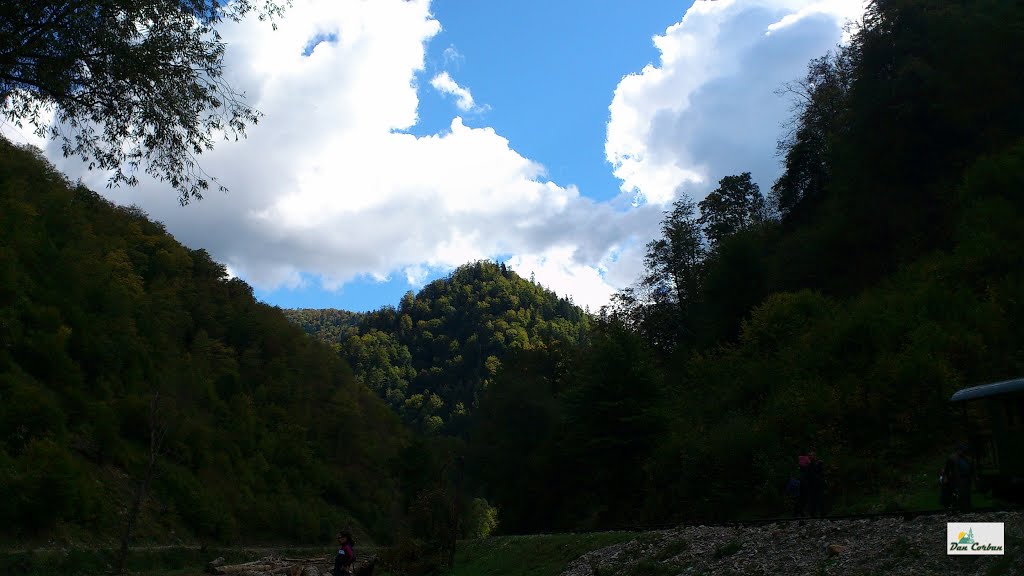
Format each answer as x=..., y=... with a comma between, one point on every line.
x=432, y=356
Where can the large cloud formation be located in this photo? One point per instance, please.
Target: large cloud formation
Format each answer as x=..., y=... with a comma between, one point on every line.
x=710, y=109
x=330, y=186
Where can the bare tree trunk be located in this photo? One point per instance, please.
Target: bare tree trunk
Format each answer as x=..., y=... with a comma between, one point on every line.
x=157, y=433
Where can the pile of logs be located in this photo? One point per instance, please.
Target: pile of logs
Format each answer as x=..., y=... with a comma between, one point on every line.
x=272, y=566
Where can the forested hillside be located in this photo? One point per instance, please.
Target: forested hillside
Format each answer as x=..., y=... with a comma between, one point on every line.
x=836, y=312
x=119, y=346
x=433, y=355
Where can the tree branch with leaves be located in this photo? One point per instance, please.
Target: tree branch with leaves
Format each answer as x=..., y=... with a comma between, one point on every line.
x=127, y=85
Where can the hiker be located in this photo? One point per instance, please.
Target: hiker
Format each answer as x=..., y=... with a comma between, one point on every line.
x=947, y=482
x=958, y=474
x=803, y=483
x=814, y=486
x=792, y=493
x=346, y=556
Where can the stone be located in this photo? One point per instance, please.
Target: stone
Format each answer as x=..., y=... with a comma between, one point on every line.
x=888, y=545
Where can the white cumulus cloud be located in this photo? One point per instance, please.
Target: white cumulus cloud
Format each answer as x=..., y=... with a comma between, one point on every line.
x=708, y=108
x=554, y=269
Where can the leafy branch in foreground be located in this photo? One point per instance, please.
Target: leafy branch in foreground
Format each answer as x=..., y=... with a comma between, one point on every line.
x=126, y=84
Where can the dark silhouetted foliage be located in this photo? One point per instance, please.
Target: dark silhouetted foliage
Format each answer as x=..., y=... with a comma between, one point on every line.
x=269, y=436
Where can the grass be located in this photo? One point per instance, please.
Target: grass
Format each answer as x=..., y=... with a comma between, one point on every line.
x=88, y=562
x=913, y=487
x=169, y=561
x=922, y=493
x=539, y=555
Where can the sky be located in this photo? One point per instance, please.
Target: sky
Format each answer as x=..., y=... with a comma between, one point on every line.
x=403, y=138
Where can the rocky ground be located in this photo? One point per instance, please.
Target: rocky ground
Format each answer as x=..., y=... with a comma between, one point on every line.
x=882, y=546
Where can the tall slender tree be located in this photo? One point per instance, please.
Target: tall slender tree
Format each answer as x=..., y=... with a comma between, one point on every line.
x=820, y=101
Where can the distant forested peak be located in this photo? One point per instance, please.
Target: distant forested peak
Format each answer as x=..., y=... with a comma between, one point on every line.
x=432, y=355
x=327, y=324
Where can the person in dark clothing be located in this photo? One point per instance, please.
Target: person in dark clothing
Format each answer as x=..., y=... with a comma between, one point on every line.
x=345, y=557
x=804, y=461
x=815, y=487
x=792, y=494
x=947, y=488
x=956, y=478
x=948, y=479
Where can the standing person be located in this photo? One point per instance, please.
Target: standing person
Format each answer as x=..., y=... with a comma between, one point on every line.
x=815, y=487
x=947, y=481
x=963, y=474
x=792, y=494
x=346, y=556
x=804, y=461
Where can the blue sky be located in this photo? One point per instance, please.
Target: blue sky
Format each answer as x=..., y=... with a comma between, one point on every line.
x=547, y=71
x=402, y=138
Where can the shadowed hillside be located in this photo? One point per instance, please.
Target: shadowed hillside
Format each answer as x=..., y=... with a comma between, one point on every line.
x=117, y=343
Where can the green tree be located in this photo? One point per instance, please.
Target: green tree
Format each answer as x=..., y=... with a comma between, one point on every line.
x=614, y=421
x=673, y=261
x=820, y=102
x=514, y=442
x=735, y=280
x=735, y=205
x=662, y=305
x=133, y=83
